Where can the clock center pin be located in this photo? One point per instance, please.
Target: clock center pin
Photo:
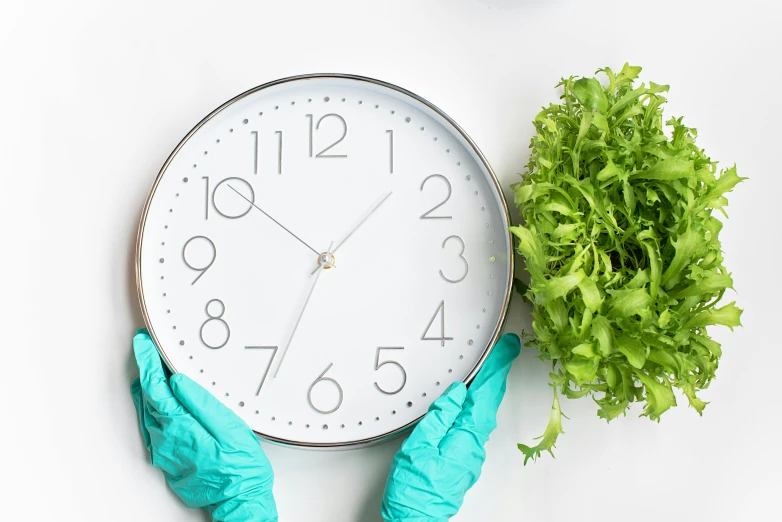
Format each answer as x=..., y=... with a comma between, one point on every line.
x=326, y=260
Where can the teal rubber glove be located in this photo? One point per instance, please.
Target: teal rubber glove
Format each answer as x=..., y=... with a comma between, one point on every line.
x=209, y=456
x=442, y=458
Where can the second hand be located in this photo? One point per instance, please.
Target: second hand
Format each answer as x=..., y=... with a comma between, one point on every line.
x=278, y=223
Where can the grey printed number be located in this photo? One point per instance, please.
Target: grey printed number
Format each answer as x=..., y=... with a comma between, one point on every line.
x=322, y=154
x=268, y=365
x=279, y=151
x=390, y=151
x=322, y=378
x=229, y=186
x=427, y=214
x=214, y=319
x=379, y=365
x=442, y=338
x=201, y=269
x=255, y=151
x=461, y=256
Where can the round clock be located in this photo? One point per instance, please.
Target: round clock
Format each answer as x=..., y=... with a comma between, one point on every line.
x=325, y=254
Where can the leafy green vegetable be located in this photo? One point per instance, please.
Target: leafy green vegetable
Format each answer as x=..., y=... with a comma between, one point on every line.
x=622, y=250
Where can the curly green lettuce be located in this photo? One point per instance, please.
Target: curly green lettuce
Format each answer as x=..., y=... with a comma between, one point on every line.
x=622, y=249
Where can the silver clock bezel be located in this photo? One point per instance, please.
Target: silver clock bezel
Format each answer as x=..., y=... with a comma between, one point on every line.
x=493, y=178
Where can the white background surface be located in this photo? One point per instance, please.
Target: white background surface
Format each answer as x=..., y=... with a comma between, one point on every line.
x=96, y=94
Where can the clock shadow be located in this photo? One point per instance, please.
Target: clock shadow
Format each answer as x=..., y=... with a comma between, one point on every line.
x=370, y=507
x=129, y=269
x=130, y=369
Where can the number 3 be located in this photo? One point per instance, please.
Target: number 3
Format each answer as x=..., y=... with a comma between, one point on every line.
x=461, y=256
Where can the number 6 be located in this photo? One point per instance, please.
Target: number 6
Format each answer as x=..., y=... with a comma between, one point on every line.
x=321, y=378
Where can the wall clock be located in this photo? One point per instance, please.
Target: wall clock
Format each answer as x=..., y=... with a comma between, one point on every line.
x=325, y=254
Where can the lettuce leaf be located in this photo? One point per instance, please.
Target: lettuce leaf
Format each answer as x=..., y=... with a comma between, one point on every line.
x=622, y=250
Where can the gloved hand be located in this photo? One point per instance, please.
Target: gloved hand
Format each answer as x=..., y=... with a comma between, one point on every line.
x=209, y=456
x=442, y=458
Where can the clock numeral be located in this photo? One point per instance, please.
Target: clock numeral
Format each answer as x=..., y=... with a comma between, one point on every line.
x=426, y=215
x=390, y=151
x=442, y=338
x=234, y=190
x=322, y=154
x=379, y=365
x=255, y=151
x=268, y=365
x=279, y=151
x=461, y=256
x=206, y=198
x=212, y=257
x=320, y=379
x=215, y=320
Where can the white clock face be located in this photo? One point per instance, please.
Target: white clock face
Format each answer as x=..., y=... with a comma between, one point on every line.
x=325, y=254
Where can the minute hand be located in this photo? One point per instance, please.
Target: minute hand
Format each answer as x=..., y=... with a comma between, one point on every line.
x=280, y=224
x=298, y=319
x=372, y=211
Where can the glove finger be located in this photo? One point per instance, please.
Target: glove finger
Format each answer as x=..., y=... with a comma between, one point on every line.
x=479, y=415
x=153, y=431
x=478, y=418
x=216, y=418
x=440, y=417
x=485, y=393
x=153, y=378
x=135, y=392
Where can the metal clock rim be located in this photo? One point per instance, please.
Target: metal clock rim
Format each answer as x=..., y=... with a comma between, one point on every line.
x=503, y=205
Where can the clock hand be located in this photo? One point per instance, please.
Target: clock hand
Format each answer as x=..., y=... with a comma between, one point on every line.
x=280, y=224
x=372, y=211
x=301, y=314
